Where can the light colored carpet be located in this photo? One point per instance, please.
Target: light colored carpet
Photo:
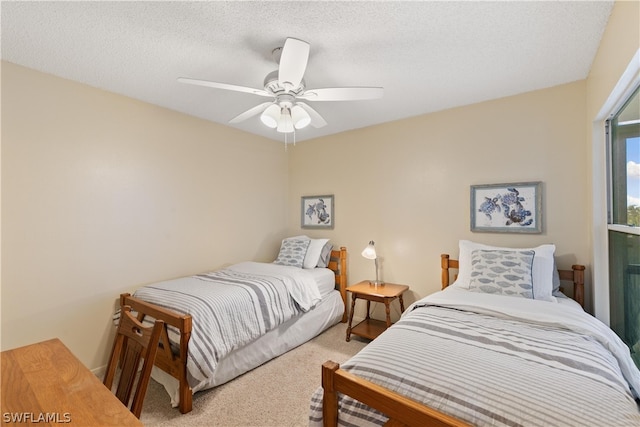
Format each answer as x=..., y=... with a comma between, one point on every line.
x=275, y=394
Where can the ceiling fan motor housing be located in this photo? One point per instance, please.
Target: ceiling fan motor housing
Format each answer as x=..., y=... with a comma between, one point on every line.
x=272, y=85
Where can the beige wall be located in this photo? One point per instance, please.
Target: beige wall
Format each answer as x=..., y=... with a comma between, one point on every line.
x=405, y=184
x=102, y=194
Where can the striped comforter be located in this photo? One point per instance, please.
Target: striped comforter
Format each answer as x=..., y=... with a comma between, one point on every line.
x=232, y=307
x=499, y=361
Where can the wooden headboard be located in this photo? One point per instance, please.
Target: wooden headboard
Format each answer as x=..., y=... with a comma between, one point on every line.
x=338, y=263
x=575, y=275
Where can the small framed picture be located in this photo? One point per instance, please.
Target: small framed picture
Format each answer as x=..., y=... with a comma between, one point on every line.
x=507, y=208
x=317, y=212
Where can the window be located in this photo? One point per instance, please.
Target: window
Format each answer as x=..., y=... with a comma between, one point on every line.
x=623, y=132
x=625, y=164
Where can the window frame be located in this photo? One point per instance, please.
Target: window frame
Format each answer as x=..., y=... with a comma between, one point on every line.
x=621, y=92
x=623, y=132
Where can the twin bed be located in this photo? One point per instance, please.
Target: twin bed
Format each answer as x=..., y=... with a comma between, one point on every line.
x=222, y=324
x=501, y=346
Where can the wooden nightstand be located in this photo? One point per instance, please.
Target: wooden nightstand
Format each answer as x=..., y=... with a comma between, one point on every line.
x=370, y=328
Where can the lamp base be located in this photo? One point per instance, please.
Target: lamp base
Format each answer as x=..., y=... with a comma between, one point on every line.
x=376, y=283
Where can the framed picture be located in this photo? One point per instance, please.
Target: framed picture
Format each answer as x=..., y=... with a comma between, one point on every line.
x=317, y=212
x=507, y=208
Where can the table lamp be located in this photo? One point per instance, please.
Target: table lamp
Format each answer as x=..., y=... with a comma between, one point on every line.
x=370, y=253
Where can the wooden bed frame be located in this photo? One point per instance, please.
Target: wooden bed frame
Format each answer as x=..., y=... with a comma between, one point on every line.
x=401, y=410
x=175, y=363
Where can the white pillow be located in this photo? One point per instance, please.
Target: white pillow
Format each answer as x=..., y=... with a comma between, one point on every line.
x=314, y=251
x=556, y=280
x=325, y=256
x=543, y=263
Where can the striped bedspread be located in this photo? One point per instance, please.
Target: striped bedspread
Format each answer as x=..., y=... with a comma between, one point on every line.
x=504, y=362
x=232, y=307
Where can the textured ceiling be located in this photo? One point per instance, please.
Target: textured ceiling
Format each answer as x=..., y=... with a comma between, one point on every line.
x=427, y=55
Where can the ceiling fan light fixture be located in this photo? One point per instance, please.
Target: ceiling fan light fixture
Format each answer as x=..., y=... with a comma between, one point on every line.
x=271, y=116
x=300, y=117
x=285, y=124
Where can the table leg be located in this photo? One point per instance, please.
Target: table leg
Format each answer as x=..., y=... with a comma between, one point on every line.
x=353, y=306
x=388, y=311
x=401, y=303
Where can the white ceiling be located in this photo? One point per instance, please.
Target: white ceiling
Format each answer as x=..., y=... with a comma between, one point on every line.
x=427, y=55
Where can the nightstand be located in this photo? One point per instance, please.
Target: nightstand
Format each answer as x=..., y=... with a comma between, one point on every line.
x=370, y=328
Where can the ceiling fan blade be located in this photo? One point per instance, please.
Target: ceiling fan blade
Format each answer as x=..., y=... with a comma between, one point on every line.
x=250, y=112
x=342, y=94
x=224, y=86
x=316, y=119
x=293, y=63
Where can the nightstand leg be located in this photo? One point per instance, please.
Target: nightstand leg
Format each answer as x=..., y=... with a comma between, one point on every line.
x=401, y=303
x=368, y=308
x=388, y=312
x=353, y=306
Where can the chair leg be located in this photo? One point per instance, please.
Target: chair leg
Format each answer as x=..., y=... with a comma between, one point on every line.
x=113, y=362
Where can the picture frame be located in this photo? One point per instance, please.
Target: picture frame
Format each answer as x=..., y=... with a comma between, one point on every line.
x=507, y=208
x=317, y=212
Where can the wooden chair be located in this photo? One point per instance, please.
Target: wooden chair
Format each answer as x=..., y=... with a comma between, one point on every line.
x=133, y=341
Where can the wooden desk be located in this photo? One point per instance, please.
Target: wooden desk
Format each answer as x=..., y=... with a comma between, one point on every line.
x=370, y=328
x=44, y=384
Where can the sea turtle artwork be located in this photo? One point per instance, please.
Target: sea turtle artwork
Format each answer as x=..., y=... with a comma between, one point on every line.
x=511, y=198
x=518, y=215
x=506, y=207
x=311, y=210
x=319, y=211
x=489, y=206
x=513, y=209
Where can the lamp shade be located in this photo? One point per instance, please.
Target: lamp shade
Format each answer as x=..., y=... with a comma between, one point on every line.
x=285, y=124
x=271, y=115
x=370, y=251
x=300, y=117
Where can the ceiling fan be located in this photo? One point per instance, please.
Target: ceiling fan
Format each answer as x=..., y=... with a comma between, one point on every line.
x=286, y=111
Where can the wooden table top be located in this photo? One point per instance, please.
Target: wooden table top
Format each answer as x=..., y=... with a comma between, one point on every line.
x=44, y=384
x=386, y=290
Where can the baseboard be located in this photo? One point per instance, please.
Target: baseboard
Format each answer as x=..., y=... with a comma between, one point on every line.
x=100, y=371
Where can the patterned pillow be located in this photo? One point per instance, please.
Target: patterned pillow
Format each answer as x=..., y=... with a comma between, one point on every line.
x=292, y=252
x=502, y=272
